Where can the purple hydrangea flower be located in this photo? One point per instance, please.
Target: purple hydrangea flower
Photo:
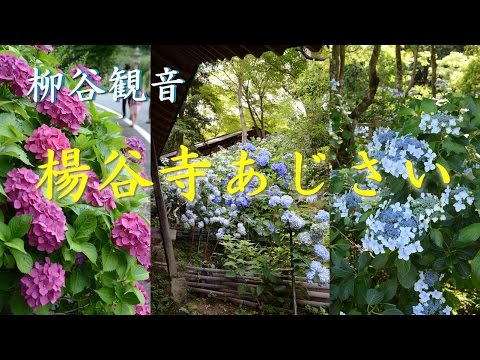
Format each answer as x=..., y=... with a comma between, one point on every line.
x=134, y=143
x=142, y=309
x=131, y=233
x=45, y=48
x=47, y=232
x=96, y=197
x=47, y=138
x=21, y=190
x=15, y=72
x=44, y=284
x=67, y=111
x=80, y=258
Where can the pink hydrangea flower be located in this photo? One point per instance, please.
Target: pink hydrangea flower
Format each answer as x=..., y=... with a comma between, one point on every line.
x=142, y=309
x=45, y=138
x=96, y=197
x=131, y=233
x=47, y=232
x=21, y=190
x=94, y=77
x=67, y=111
x=134, y=143
x=15, y=72
x=45, y=48
x=44, y=284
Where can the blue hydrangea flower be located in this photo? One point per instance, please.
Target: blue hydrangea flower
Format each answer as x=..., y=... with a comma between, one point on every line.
x=293, y=220
x=322, y=216
x=263, y=158
x=280, y=168
x=248, y=146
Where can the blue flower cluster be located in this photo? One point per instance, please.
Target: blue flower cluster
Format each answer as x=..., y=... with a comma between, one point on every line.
x=293, y=220
x=347, y=202
x=263, y=158
x=460, y=194
x=284, y=201
x=392, y=151
x=248, y=146
x=431, y=300
x=393, y=227
x=280, y=168
x=433, y=124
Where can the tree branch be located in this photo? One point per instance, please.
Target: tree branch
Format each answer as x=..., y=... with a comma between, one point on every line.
x=309, y=55
x=373, y=81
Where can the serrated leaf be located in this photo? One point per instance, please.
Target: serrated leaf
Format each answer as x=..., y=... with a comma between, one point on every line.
x=123, y=308
x=5, y=233
x=392, y=311
x=437, y=237
x=17, y=244
x=140, y=296
x=138, y=272
x=16, y=152
x=406, y=278
x=106, y=294
x=109, y=259
x=23, y=260
x=428, y=106
x=84, y=226
x=379, y=261
x=467, y=235
x=363, y=260
x=130, y=298
x=373, y=297
x=90, y=251
x=453, y=147
x=19, y=225
x=389, y=289
x=77, y=282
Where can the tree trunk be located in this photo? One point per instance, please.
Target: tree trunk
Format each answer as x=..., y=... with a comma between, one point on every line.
x=334, y=63
x=240, y=110
x=433, y=60
x=341, y=67
x=414, y=70
x=178, y=141
x=262, y=122
x=373, y=81
x=399, y=73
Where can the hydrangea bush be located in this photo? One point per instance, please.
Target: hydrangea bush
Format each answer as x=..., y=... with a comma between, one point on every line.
x=254, y=230
x=61, y=256
x=410, y=250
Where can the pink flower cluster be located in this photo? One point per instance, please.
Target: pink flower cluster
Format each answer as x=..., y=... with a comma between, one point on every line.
x=131, y=233
x=97, y=197
x=44, y=284
x=45, y=48
x=47, y=231
x=67, y=111
x=95, y=78
x=142, y=309
x=16, y=72
x=45, y=138
x=134, y=143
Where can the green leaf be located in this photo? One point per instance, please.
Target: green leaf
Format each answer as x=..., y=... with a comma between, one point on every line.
x=392, y=311
x=16, y=244
x=19, y=306
x=106, y=294
x=90, y=251
x=19, y=225
x=16, y=152
x=130, y=298
x=43, y=310
x=138, y=272
x=363, y=260
x=123, y=308
x=140, y=296
x=407, y=273
x=467, y=235
x=77, y=282
x=3, y=193
x=373, y=297
x=428, y=106
x=453, y=146
x=84, y=226
x=109, y=259
x=379, y=261
x=5, y=233
x=70, y=234
x=389, y=289
x=23, y=260
x=437, y=237
x=476, y=267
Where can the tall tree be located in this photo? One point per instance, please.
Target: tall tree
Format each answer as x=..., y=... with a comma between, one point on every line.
x=414, y=69
x=240, y=110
